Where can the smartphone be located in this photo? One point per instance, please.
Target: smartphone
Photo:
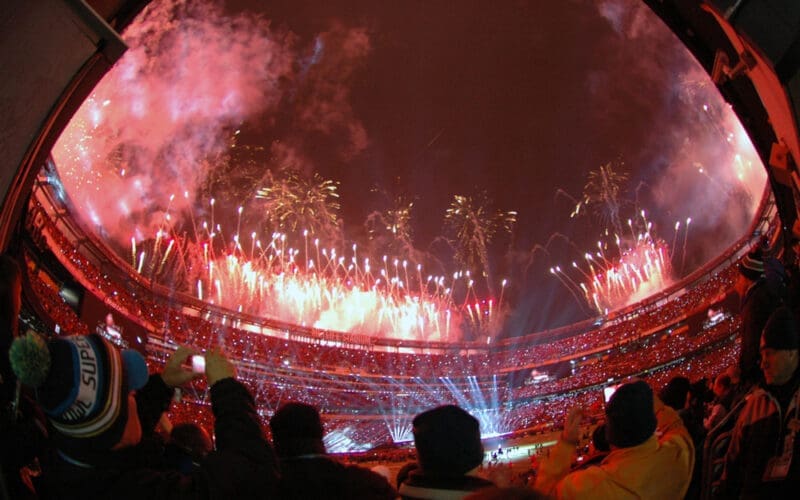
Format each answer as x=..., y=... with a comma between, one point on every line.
x=198, y=364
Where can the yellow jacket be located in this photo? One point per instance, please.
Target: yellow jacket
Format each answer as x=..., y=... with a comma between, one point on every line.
x=659, y=468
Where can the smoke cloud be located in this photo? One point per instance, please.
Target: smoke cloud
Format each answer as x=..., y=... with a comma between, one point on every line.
x=696, y=161
x=165, y=115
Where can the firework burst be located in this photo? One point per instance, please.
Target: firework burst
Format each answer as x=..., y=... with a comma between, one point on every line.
x=602, y=193
x=390, y=230
x=623, y=272
x=473, y=225
x=314, y=285
x=293, y=202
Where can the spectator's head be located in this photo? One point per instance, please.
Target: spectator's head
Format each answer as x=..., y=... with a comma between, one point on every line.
x=735, y=373
x=699, y=393
x=722, y=384
x=85, y=386
x=779, y=347
x=751, y=268
x=297, y=430
x=674, y=393
x=192, y=440
x=630, y=419
x=448, y=441
x=599, y=440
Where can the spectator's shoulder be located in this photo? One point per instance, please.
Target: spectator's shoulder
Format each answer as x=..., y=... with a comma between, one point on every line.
x=758, y=404
x=584, y=483
x=366, y=483
x=226, y=384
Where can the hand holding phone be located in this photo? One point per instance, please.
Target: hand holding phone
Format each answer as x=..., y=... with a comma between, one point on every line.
x=219, y=367
x=177, y=370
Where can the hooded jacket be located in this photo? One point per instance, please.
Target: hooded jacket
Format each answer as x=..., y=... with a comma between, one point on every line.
x=661, y=467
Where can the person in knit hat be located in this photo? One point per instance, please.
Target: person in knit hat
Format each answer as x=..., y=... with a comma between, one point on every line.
x=84, y=389
x=10, y=305
x=22, y=435
x=757, y=301
x=763, y=459
x=307, y=471
x=449, y=452
x=651, y=456
x=102, y=408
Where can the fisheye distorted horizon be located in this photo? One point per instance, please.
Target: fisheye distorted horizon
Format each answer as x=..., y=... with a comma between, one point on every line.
x=408, y=171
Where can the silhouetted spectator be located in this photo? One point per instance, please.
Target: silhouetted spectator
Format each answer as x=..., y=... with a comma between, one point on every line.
x=306, y=469
x=189, y=444
x=599, y=449
x=758, y=300
x=721, y=405
x=692, y=415
x=103, y=407
x=449, y=452
x=763, y=459
x=642, y=463
x=675, y=392
x=10, y=304
x=22, y=427
x=792, y=265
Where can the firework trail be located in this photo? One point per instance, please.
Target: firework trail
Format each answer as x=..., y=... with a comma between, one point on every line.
x=165, y=118
x=390, y=230
x=473, y=225
x=638, y=272
x=685, y=239
x=602, y=193
x=702, y=130
x=318, y=286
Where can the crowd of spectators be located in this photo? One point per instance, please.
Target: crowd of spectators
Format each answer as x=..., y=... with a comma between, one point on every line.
x=347, y=381
x=374, y=401
x=130, y=296
x=525, y=417
x=53, y=307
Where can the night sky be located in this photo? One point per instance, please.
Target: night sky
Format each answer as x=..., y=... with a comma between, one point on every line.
x=518, y=100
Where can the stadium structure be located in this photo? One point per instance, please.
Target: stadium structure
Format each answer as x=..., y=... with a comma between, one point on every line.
x=369, y=388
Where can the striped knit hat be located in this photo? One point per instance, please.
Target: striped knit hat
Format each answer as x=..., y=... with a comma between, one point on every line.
x=82, y=384
x=752, y=265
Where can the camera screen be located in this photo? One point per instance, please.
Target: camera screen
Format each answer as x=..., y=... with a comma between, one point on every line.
x=198, y=364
